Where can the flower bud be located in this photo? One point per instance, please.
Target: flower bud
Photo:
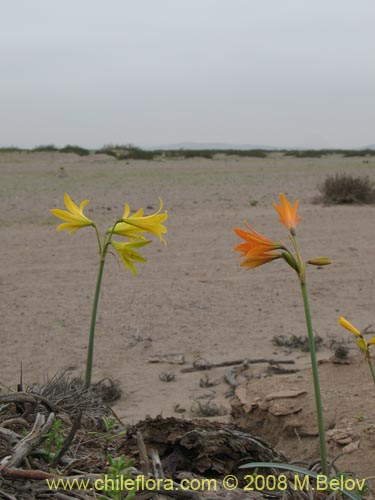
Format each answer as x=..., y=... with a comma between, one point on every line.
x=290, y=260
x=319, y=261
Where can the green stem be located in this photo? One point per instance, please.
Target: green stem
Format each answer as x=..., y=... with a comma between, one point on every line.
x=371, y=369
x=314, y=365
x=98, y=238
x=90, y=349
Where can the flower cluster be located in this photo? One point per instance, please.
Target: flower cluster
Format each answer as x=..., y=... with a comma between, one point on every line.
x=133, y=227
x=258, y=250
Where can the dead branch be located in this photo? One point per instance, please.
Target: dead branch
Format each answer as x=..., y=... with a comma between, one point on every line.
x=25, y=474
x=28, y=443
x=208, y=366
x=9, y=436
x=143, y=457
x=7, y=496
x=26, y=397
x=75, y=426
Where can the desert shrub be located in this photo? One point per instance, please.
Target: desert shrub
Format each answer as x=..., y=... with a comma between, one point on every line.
x=75, y=149
x=344, y=188
x=251, y=153
x=310, y=153
x=45, y=148
x=107, y=151
x=137, y=154
x=361, y=152
x=195, y=153
x=10, y=149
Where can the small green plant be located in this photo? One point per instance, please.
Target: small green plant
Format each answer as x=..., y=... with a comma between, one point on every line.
x=346, y=189
x=253, y=203
x=119, y=471
x=109, y=423
x=109, y=426
x=54, y=440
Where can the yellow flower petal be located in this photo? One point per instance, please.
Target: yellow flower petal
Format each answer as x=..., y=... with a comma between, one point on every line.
x=346, y=324
x=361, y=343
x=74, y=217
x=128, y=253
x=133, y=226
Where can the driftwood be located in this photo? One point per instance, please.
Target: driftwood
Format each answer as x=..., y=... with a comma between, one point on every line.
x=9, y=436
x=205, y=365
x=143, y=458
x=28, y=443
x=25, y=474
x=26, y=397
x=199, y=433
x=174, y=359
x=202, y=447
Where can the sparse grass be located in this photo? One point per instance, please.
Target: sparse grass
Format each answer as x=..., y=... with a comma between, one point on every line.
x=346, y=189
x=207, y=409
x=167, y=377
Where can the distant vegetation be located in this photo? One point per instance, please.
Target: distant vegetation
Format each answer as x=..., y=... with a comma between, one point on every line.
x=318, y=153
x=48, y=148
x=130, y=152
x=75, y=149
x=344, y=189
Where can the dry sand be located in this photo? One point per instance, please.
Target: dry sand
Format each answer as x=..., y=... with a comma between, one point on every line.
x=191, y=297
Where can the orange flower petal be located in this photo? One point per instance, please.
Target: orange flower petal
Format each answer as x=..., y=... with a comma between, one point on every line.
x=288, y=212
x=259, y=259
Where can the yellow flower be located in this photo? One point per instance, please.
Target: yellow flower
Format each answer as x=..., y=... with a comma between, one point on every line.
x=74, y=216
x=346, y=324
x=128, y=253
x=361, y=342
x=133, y=226
x=288, y=212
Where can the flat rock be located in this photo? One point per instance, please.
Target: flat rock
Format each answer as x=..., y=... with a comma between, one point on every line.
x=285, y=393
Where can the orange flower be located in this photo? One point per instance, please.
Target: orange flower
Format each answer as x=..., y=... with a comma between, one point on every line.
x=288, y=212
x=254, y=242
x=257, y=248
x=258, y=259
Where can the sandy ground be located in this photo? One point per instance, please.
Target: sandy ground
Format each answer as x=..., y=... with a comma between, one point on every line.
x=191, y=297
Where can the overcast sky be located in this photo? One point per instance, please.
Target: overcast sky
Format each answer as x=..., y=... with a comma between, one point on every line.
x=273, y=72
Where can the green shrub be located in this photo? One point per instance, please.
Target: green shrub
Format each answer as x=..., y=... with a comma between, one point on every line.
x=11, y=149
x=75, y=149
x=309, y=153
x=361, y=152
x=45, y=148
x=345, y=189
